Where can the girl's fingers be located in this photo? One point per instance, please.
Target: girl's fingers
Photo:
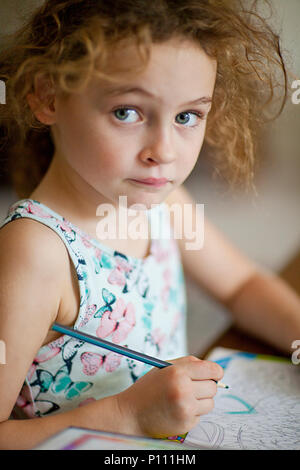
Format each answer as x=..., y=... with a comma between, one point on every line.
x=198, y=369
x=204, y=389
x=204, y=406
x=202, y=370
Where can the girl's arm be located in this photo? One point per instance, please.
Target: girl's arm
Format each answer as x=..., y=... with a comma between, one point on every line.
x=25, y=434
x=31, y=282
x=266, y=307
x=260, y=302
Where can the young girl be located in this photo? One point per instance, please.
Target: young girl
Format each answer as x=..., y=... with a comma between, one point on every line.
x=109, y=99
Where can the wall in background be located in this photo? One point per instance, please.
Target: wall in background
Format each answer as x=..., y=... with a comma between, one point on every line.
x=14, y=12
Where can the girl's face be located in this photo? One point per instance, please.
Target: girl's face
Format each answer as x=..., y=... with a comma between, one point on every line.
x=151, y=126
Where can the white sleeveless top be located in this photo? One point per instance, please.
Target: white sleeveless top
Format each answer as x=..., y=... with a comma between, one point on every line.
x=137, y=303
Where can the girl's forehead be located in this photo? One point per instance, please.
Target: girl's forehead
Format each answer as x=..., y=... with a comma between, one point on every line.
x=171, y=64
x=170, y=53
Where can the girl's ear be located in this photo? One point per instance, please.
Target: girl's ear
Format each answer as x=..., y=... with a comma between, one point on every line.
x=42, y=101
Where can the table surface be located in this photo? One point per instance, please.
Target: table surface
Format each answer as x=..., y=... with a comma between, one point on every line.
x=235, y=339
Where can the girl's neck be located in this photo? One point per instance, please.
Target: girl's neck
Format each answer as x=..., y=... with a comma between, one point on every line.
x=65, y=195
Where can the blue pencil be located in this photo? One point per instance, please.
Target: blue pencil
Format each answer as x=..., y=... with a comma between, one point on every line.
x=102, y=343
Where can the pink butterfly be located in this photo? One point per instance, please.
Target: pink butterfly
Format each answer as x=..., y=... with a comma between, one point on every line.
x=89, y=312
x=112, y=361
x=53, y=350
x=107, y=325
x=24, y=401
x=117, y=277
x=27, y=402
x=122, y=264
x=93, y=361
x=119, y=322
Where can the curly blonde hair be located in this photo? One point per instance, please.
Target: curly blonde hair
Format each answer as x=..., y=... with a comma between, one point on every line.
x=68, y=41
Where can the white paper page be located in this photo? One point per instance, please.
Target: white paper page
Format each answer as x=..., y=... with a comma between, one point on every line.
x=261, y=410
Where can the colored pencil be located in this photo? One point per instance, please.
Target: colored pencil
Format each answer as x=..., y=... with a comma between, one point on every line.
x=102, y=343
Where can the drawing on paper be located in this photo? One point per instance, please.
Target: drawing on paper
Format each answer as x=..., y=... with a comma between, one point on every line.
x=261, y=411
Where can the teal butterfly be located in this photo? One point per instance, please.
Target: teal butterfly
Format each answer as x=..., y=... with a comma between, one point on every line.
x=84, y=299
x=104, y=262
x=81, y=264
x=109, y=298
x=146, y=319
x=97, y=264
x=60, y=383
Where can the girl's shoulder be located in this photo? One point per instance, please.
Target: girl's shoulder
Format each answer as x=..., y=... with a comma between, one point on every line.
x=31, y=248
x=32, y=239
x=33, y=253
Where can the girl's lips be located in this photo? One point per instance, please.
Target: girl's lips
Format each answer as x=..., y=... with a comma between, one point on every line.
x=152, y=181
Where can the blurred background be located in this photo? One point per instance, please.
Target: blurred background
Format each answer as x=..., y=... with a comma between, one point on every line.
x=265, y=225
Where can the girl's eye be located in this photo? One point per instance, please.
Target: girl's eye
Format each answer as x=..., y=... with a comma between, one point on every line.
x=184, y=118
x=123, y=113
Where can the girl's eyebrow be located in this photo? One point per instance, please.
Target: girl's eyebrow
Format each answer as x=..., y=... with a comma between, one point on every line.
x=125, y=90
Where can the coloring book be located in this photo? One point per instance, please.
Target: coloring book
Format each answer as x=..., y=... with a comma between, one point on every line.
x=261, y=408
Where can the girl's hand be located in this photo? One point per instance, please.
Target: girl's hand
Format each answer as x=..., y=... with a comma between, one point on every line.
x=169, y=401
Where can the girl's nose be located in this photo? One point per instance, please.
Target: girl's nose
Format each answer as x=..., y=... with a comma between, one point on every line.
x=159, y=148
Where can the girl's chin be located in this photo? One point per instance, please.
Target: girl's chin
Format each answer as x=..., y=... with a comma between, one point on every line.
x=145, y=201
